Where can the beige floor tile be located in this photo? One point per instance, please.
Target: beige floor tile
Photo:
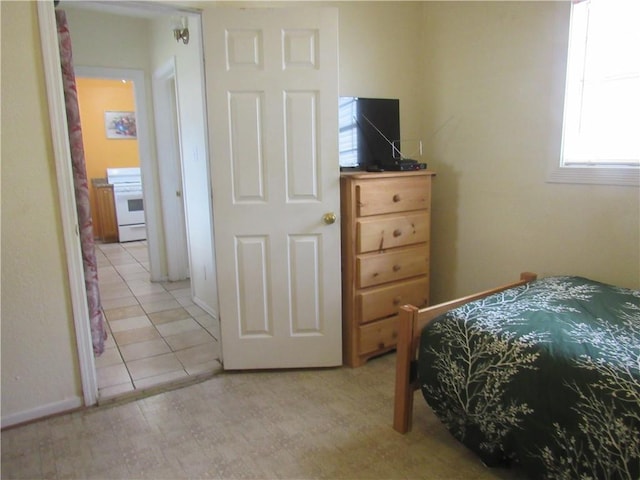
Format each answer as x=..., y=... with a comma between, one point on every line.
x=181, y=293
x=211, y=324
x=132, y=266
x=115, y=292
x=195, y=311
x=160, y=306
x=112, y=375
x=207, y=352
x=139, y=251
x=122, y=261
x=133, y=305
x=110, y=342
x=111, y=285
x=182, y=285
x=102, y=261
x=150, y=348
x=160, y=379
x=188, y=339
x=169, y=315
x=178, y=326
x=109, y=247
x=110, y=277
x=202, y=368
x=154, y=297
x=130, y=324
x=115, y=390
x=108, y=304
x=137, y=335
x=185, y=301
x=128, y=311
x=141, y=276
x=110, y=356
x=151, y=367
x=145, y=288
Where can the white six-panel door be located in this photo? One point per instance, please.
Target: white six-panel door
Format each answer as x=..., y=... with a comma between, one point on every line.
x=272, y=94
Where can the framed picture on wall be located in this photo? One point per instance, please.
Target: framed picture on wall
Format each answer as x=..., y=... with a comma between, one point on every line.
x=120, y=125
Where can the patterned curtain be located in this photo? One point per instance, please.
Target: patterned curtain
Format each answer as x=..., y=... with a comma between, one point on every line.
x=81, y=187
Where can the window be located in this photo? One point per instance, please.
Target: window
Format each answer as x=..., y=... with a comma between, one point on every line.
x=348, y=132
x=601, y=133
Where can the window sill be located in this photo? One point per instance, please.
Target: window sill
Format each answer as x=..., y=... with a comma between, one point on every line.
x=628, y=177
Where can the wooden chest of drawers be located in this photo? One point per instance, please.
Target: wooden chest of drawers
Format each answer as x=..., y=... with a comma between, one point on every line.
x=105, y=215
x=385, y=256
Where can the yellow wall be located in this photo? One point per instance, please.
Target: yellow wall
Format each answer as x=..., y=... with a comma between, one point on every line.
x=95, y=97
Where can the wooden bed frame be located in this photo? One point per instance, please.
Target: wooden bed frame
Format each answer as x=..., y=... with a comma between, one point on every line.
x=410, y=324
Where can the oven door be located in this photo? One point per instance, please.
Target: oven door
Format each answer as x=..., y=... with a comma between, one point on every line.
x=129, y=205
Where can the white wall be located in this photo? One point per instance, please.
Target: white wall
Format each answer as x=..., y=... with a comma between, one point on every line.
x=195, y=172
x=494, y=85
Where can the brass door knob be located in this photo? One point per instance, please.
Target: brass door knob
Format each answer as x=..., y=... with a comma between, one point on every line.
x=329, y=218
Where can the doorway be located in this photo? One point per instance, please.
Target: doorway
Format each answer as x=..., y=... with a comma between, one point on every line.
x=156, y=334
x=201, y=292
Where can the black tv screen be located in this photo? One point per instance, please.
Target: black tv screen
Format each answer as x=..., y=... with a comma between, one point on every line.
x=369, y=132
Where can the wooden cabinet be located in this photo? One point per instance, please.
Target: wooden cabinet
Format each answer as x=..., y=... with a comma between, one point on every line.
x=105, y=215
x=386, y=220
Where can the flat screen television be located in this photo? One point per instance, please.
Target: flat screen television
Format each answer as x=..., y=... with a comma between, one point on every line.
x=369, y=130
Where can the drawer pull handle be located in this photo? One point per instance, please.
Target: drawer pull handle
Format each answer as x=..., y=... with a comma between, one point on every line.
x=396, y=268
x=397, y=300
x=396, y=198
x=397, y=232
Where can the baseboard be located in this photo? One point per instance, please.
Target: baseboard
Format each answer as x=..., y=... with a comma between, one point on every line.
x=42, y=412
x=203, y=305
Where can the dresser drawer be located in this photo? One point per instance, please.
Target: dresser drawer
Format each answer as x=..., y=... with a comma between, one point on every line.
x=379, y=233
x=378, y=336
x=392, y=195
x=385, y=301
x=375, y=269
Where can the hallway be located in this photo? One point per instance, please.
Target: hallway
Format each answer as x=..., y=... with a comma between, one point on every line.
x=157, y=335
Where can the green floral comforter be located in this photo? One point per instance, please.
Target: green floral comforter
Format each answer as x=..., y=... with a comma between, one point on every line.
x=546, y=375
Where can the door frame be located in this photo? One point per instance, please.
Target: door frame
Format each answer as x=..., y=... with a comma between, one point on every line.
x=165, y=101
x=68, y=214
x=66, y=194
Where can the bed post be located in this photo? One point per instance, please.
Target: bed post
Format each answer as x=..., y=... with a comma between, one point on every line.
x=403, y=405
x=411, y=321
x=528, y=276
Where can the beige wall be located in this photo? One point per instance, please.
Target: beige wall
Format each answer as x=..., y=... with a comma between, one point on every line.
x=40, y=372
x=494, y=81
x=380, y=56
x=480, y=83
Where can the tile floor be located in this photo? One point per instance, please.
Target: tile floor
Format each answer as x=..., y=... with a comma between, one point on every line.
x=157, y=335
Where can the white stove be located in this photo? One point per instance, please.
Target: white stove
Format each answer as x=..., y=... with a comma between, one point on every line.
x=127, y=192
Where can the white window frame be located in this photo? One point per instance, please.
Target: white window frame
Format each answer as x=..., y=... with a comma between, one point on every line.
x=589, y=172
